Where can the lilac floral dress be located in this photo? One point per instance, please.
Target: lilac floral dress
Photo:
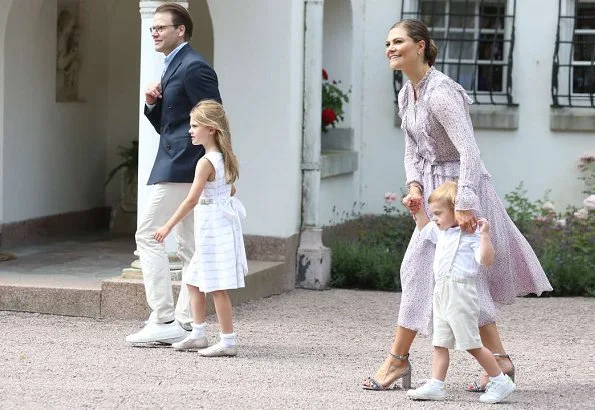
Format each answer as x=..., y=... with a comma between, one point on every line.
x=440, y=146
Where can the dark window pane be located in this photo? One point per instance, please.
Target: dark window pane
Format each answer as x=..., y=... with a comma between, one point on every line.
x=461, y=46
x=462, y=14
x=432, y=12
x=492, y=14
x=585, y=16
x=489, y=78
x=584, y=47
x=463, y=74
x=491, y=47
x=583, y=79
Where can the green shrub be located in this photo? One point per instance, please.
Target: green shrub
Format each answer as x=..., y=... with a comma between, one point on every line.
x=563, y=242
x=364, y=266
x=368, y=254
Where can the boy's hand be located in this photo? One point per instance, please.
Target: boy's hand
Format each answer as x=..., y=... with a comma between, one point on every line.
x=484, y=226
x=161, y=234
x=412, y=202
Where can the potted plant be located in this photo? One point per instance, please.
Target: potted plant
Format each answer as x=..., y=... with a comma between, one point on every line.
x=124, y=218
x=332, y=102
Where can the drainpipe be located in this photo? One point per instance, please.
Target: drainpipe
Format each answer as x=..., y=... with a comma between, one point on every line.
x=313, y=259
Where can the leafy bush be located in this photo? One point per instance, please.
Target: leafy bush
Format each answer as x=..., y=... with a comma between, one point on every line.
x=368, y=253
x=563, y=242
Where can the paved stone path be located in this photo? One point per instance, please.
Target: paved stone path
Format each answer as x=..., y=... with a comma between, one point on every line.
x=300, y=350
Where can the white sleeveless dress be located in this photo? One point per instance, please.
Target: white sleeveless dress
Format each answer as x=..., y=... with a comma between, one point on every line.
x=219, y=262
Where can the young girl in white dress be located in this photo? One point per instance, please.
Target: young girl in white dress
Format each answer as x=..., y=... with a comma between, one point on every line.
x=219, y=262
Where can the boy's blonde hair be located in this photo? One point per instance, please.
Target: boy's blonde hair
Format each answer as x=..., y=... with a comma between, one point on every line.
x=445, y=193
x=210, y=113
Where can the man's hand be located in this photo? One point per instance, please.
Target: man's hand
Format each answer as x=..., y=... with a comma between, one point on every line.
x=153, y=93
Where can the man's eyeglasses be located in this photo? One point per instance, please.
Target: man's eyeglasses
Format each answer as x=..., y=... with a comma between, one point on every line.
x=159, y=29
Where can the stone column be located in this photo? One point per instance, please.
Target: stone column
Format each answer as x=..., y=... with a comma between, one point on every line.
x=313, y=259
x=151, y=66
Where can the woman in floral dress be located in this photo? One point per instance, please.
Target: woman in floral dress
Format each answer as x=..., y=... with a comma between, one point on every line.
x=440, y=146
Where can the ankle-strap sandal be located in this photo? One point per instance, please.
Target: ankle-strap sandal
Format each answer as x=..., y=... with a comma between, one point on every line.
x=477, y=387
x=404, y=375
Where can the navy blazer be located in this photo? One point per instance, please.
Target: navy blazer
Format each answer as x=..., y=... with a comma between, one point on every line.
x=188, y=80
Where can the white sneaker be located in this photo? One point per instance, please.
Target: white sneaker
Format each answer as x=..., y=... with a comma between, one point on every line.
x=429, y=391
x=159, y=332
x=191, y=344
x=497, y=391
x=219, y=350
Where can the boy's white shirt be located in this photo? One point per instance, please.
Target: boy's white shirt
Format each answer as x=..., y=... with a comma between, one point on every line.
x=456, y=251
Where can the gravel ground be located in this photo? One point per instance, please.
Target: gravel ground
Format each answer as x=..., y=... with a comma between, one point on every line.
x=303, y=349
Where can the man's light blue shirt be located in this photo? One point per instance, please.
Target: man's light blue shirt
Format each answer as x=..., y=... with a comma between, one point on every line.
x=171, y=56
x=168, y=59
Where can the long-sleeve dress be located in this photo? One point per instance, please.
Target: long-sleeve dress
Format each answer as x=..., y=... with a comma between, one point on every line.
x=440, y=146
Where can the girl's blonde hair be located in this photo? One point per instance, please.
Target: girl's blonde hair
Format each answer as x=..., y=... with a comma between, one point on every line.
x=445, y=193
x=210, y=113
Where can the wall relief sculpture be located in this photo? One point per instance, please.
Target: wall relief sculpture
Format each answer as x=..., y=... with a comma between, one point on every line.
x=68, y=54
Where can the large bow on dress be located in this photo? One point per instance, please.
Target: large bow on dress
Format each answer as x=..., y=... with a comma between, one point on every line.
x=234, y=210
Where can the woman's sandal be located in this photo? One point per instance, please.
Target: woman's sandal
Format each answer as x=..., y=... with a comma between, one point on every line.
x=404, y=374
x=477, y=387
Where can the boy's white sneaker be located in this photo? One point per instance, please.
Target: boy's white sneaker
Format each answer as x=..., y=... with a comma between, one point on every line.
x=497, y=391
x=429, y=391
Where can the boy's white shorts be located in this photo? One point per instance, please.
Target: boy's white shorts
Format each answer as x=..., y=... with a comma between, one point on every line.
x=456, y=313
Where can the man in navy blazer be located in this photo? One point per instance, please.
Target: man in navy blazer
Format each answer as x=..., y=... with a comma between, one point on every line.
x=187, y=79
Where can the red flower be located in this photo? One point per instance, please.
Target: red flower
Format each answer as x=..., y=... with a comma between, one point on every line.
x=328, y=116
x=324, y=74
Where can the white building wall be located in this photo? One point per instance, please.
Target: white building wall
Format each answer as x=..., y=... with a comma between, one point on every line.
x=543, y=159
x=54, y=153
x=261, y=86
x=4, y=11
x=123, y=56
x=382, y=145
x=343, y=58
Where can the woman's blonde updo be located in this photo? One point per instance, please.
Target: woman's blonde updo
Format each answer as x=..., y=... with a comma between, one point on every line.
x=418, y=31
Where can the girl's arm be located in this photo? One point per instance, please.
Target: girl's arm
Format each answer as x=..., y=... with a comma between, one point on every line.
x=486, y=248
x=204, y=170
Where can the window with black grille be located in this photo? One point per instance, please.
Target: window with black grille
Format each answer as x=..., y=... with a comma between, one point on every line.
x=573, y=73
x=475, y=40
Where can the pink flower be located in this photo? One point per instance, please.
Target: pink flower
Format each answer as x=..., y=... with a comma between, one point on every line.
x=390, y=197
x=582, y=213
x=561, y=223
x=324, y=74
x=589, y=202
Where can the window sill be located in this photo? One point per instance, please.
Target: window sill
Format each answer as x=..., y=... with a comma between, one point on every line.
x=572, y=119
x=339, y=162
x=492, y=117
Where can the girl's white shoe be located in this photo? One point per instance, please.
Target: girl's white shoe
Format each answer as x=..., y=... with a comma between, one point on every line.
x=191, y=344
x=429, y=391
x=219, y=350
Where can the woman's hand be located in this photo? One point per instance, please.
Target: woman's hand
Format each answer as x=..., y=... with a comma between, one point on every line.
x=413, y=200
x=161, y=234
x=466, y=220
